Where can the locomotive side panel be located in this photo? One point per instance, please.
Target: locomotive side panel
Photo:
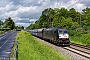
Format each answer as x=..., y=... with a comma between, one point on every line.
x=50, y=34
x=39, y=33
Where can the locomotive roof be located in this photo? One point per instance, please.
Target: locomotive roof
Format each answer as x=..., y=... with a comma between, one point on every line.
x=56, y=28
x=39, y=30
x=59, y=28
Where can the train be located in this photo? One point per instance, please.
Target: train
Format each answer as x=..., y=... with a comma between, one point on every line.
x=58, y=35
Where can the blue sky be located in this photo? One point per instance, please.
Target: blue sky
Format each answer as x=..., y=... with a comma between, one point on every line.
x=25, y=11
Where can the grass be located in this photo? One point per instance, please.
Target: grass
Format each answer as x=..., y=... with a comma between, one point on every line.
x=1, y=32
x=84, y=39
x=31, y=49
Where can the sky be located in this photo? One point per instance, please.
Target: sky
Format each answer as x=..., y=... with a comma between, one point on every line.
x=25, y=12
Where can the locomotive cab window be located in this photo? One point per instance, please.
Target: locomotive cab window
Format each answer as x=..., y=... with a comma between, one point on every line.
x=60, y=32
x=65, y=32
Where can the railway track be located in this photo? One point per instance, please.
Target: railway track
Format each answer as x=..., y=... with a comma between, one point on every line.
x=79, y=49
x=78, y=45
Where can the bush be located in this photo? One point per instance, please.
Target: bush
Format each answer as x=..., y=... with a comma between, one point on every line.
x=72, y=32
x=83, y=39
x=75, y=25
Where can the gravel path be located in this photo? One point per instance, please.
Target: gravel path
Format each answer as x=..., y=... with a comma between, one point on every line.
x=63, y=51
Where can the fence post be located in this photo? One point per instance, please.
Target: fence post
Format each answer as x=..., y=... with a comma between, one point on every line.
x=16, y=50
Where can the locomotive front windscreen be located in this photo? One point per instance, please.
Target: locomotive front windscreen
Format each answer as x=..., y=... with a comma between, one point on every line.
x=63, y=33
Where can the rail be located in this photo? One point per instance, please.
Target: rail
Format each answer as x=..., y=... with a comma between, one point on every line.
x=79, y=49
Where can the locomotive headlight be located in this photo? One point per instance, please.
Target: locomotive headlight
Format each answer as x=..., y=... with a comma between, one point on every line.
x=60, y=36
x=66, y=35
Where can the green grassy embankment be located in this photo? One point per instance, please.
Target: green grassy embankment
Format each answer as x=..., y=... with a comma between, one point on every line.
x=83, y=39
x=31, y=49
x=1, y=32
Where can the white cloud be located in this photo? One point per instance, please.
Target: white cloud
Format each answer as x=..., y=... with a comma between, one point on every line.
x=22, y=24
x=9, y=7
x=79, y=7
x=3, y=3
x=32, y=9
x=33, y=20
x=8, y=10
x=69, y=4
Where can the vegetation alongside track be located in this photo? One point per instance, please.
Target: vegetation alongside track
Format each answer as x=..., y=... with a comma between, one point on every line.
x=30, y=49
x=1, y=32
x=80, y=36
x=83, y=39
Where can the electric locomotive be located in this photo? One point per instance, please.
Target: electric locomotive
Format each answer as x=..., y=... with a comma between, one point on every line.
x=57, y=35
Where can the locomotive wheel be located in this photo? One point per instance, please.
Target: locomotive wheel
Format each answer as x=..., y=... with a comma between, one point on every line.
x=54, y=40
x=58, y=44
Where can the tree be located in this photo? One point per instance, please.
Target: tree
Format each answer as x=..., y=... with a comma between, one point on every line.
x=62, y=17
x=55, y=22
x=86, y=14
x=63, y=12
x=74, y=15
x=1, y=23
x=66, y=22
x=9, y=23
x=75, y=26
x=19, y=27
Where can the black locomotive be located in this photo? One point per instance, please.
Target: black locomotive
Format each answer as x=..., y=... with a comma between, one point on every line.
x=57, y=35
